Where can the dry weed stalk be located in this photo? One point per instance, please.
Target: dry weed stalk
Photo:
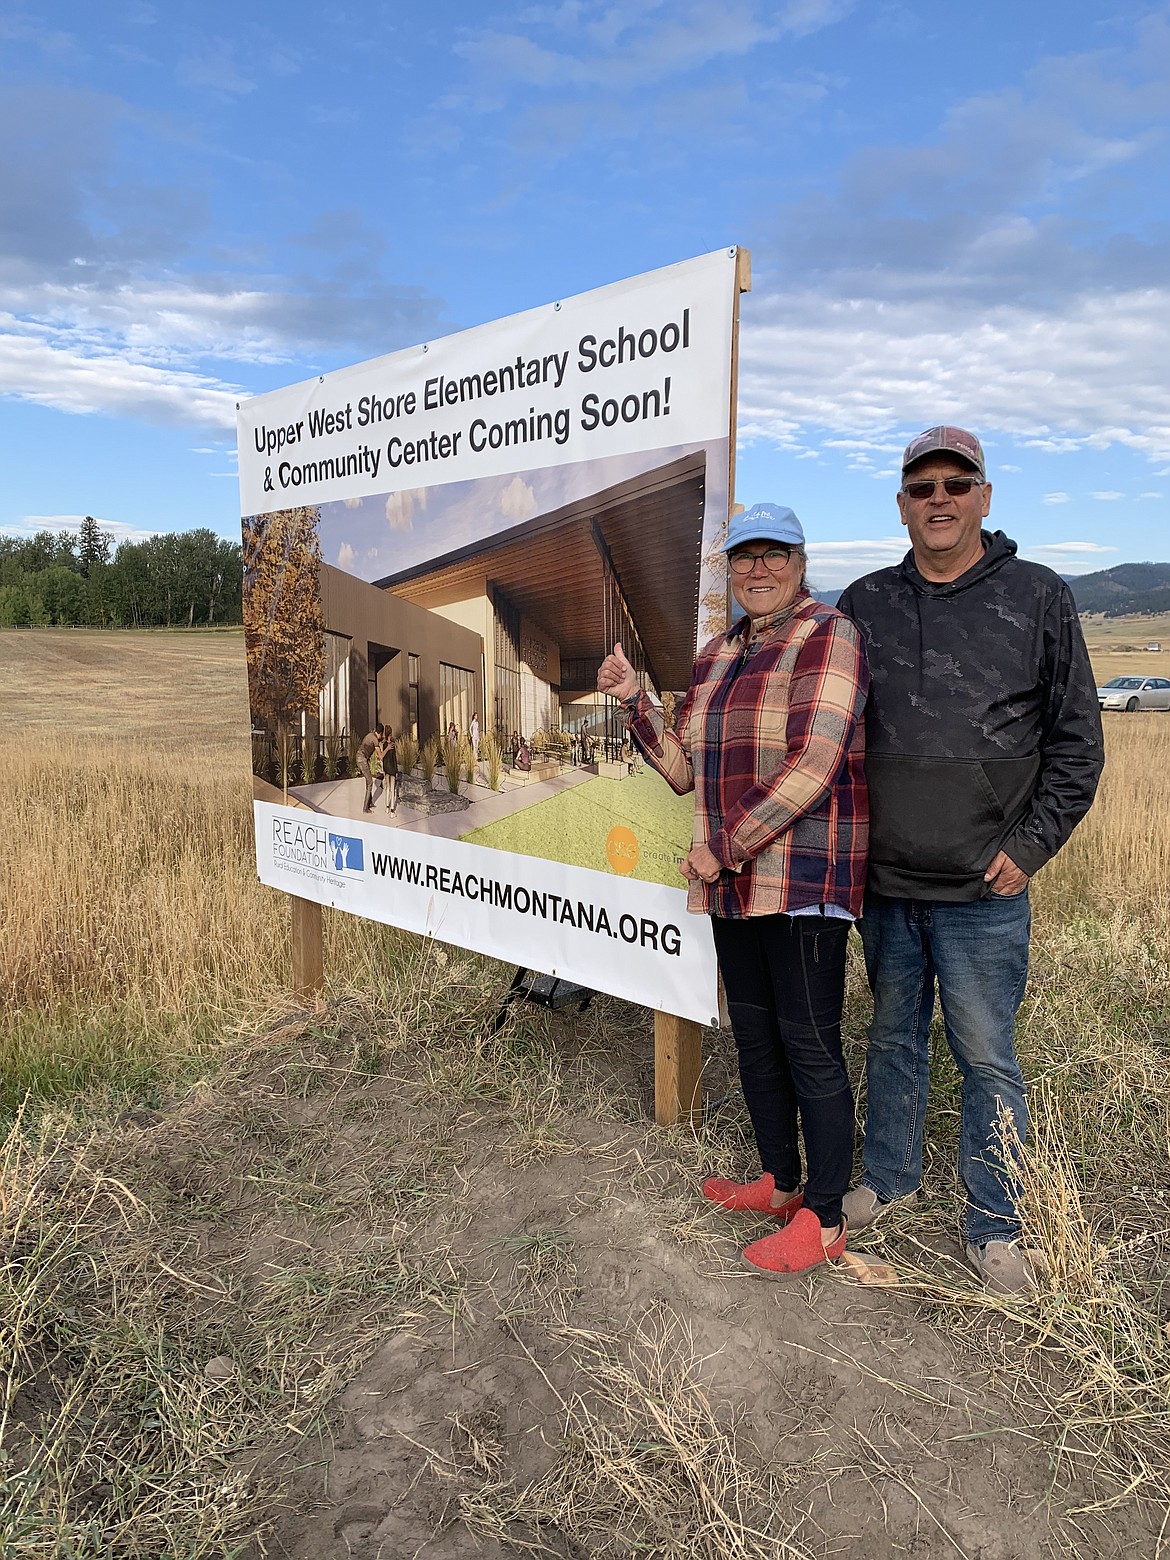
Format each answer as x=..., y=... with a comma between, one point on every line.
x=133, y=932
x=122, y=1455
x=646, y=1463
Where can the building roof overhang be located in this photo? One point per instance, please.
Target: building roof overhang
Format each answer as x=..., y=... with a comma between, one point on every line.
x=552, y=567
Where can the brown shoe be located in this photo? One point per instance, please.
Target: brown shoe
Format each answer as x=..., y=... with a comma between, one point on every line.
x=1003, y=1267
x=863, y=1207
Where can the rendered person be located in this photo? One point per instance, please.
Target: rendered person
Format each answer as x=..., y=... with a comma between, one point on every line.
x=771, y=739
x=983, y=752
x=474, y=734
x=366, y=750
x=390, y=768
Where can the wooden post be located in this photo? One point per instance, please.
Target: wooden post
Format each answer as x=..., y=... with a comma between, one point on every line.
x=743, y=284
x=678, y=1060
x=678, y=1042
x=308, y=951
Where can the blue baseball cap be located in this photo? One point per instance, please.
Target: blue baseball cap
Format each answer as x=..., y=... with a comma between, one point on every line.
x=765, y=523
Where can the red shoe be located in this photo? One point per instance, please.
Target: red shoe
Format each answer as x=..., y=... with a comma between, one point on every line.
x=751, y=1196
x=795, y=1249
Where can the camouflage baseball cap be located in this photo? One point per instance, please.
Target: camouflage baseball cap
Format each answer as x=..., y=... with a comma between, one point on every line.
x=946, y=440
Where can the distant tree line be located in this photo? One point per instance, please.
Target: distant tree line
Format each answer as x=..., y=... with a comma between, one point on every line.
x=183, y=579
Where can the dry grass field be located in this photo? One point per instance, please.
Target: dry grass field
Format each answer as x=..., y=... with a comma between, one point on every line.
x=370, y=1281
x=1118, y=645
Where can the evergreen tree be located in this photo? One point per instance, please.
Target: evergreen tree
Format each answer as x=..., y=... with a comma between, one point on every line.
x=93, y=546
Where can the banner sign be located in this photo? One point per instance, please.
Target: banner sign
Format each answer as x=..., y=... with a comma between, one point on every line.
x=499, y=903
x=440, y=546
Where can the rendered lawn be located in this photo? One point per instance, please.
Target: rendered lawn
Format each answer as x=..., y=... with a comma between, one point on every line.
x=573, y=827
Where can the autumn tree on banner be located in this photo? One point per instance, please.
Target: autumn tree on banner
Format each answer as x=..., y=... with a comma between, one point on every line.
x=284, y=627
x=713, y=605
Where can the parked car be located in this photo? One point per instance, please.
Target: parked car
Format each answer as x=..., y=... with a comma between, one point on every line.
x=1135, y=693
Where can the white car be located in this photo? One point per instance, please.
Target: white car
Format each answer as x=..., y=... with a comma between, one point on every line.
x=1135, y=693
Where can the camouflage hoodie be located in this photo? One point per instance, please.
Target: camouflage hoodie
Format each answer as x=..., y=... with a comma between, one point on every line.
x=982, y=730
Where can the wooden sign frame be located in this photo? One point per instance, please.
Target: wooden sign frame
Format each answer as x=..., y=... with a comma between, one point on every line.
x=678, y=1042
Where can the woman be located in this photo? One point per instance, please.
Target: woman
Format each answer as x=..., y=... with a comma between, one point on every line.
x=771, y=739
x=390, y=768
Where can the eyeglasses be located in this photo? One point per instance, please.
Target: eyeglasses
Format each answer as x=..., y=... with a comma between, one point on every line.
x=956, y=487
x=775, y=559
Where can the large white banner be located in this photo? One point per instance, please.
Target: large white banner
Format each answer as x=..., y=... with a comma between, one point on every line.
x=634, y=940
x=440, y=545
x=637, y=365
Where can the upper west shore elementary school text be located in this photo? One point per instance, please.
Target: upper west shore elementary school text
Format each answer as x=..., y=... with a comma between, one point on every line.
x=443, y=391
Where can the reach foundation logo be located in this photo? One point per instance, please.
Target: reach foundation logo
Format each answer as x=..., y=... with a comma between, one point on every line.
x=309, y=845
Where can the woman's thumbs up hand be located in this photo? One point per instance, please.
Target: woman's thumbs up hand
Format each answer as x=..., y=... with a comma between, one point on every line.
x=616, y=676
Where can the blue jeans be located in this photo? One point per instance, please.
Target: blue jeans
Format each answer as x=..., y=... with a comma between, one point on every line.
x=978, y=956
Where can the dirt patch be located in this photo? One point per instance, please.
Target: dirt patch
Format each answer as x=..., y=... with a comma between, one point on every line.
x=459, y=1298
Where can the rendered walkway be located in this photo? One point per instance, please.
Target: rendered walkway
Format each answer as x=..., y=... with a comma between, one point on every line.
x=343, y=799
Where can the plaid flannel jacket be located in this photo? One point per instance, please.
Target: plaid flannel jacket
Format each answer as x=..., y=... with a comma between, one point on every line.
x=771, y=738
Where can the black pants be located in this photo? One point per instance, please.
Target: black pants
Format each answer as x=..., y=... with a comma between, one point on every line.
x=785, y=982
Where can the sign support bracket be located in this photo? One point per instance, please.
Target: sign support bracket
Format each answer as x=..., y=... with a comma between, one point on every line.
x=544, y=990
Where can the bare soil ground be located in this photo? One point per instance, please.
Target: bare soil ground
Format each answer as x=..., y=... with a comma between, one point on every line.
x=455, y=1297
x=385, y=1285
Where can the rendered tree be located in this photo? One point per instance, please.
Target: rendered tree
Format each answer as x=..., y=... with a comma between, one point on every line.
x=284, y=628
x=714, y=615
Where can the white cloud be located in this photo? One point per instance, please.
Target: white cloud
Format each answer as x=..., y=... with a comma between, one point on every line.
x=1055, y=498
x=1069, y=557
x=1003, y=466
x=517, y=500
x=1071, y=547
x=345, y=556
x=120, y=530
x=73, y=380
x=832, y=565
x=865, y=373
x=594, y=44
x=214, y=67
x=1149, y=495
x=400, y=507
x=1107, y=497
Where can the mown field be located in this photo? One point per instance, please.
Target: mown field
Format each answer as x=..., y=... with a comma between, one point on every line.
x=229, y=1227
x=1117, y=646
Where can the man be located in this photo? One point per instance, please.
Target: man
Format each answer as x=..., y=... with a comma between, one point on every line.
x=370, y=743
x=983, y=752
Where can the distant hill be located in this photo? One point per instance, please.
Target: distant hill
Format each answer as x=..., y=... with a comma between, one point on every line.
x=1129, y=587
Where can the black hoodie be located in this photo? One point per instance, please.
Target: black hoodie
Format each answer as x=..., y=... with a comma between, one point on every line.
x=983, y=731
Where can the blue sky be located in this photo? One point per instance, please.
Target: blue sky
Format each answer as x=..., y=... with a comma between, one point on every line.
x=954, y=212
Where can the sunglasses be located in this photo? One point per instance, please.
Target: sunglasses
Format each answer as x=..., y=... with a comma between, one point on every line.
x=956, y=487
x=775, y=559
